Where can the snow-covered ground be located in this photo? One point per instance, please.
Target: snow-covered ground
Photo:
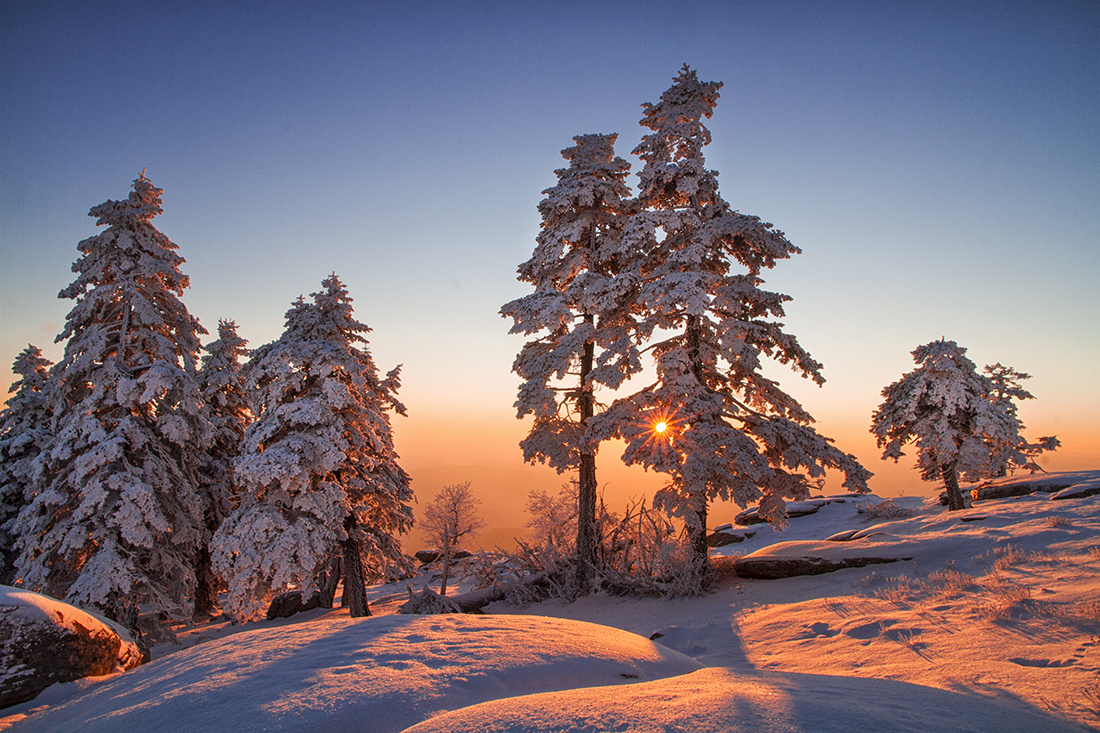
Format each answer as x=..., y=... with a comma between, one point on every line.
x=992, y=625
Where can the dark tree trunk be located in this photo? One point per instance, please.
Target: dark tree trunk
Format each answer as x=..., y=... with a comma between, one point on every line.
x=446, y=564
x=951, y=482
x=700, y=553
x=330, y=578
x=586, y=479
x=355, y=590
x=206, y=583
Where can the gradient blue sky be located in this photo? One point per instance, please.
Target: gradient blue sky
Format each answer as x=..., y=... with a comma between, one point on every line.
x=937, y=162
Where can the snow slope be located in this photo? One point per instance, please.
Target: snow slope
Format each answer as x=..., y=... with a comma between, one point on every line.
x=719, y=700
x=993, y=625
x=376, y=674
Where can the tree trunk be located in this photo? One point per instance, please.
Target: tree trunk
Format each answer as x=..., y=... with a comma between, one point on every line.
x=330, y=578
x=206, y=583
x=950, y=475
x=700, y=553
x=586, y=478
x=355, y=590
x=446, y=563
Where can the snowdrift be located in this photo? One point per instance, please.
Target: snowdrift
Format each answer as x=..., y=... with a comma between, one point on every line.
x=718, y=700
x=375, y=674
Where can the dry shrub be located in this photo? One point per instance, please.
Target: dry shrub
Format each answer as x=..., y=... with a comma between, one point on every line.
x=949, y=583
x=1085, y=611
x=1059, y=522
x=1007, y=556
x=723, y=566
x=900, y=590
x=639, y=554
x=1007, y=602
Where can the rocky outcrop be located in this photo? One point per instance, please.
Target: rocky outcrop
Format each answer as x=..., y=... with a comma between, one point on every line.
x=1077, y=491
x=426, y=556
x=1007, y=491
x=44, y=641
x=287, y=604
x=794, y=509
x=773, y=568
x=725, y=535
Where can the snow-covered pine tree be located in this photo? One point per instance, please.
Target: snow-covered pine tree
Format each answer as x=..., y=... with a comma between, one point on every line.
x=952, y=415
x=581, y=311
x=1006, y=384
x=24, y=432
x=221, y=381
x=318, y=477
x=119, y=518
x=712, y=422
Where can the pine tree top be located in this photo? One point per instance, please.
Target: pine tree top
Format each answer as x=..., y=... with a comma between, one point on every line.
x=140, y=207
x=32, y=368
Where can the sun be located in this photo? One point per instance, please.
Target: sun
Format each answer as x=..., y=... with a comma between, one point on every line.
x=660, y=427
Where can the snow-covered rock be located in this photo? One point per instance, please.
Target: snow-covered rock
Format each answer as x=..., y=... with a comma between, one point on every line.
x=44, y=641
x=726, y=536
x=794, y=509
x=1078, y=490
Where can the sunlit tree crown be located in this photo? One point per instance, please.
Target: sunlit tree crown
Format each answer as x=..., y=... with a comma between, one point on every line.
x=731, y=432
x=957, y=418
x=119, y=518
x=319, y=453
x=24, y=432
x=582, y=301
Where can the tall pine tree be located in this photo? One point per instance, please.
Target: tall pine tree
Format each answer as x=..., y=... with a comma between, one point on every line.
x=712, y=421
x=320, y=485
x=581, y=310
x=221, y=381
x=24, y=432
x=119, y=519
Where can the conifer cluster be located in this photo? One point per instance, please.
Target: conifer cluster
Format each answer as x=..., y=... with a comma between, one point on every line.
x=140, y=477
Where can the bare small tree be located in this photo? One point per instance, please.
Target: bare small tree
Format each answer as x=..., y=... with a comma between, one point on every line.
x=553, y=520
x=451, y=515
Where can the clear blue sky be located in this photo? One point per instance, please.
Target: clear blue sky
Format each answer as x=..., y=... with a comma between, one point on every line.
x=937, y=162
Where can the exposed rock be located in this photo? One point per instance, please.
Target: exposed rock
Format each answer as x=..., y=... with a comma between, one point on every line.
x=287, y=604
x=772, y=568
x=1077, y=491
x=749, y=516
x=44, y=641
x=1007, y=491
x=794, y=509
x=722, y=537
x=426, y=556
